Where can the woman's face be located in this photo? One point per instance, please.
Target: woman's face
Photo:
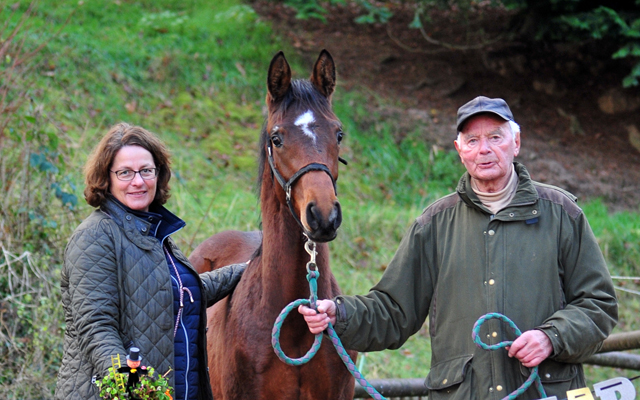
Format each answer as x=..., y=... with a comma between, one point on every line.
x=137, y=193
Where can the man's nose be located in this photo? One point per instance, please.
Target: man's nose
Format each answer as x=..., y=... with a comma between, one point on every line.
x=484, y=145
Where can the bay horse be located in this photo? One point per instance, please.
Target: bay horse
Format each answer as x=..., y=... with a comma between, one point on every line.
x=298, y=169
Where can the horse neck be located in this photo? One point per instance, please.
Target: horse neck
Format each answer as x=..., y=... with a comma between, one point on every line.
x=284, y=258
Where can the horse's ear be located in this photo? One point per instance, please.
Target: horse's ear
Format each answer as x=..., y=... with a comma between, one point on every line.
x=278, y=79
x=323, y=76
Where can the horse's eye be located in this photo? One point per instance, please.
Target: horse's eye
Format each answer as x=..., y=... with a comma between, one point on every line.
x=340, y=135
x=276, y=140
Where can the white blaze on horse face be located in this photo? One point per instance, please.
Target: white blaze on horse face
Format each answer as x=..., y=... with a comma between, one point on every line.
x=304, y=121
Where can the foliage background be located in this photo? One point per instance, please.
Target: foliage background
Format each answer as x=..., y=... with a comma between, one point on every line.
x=193, y=72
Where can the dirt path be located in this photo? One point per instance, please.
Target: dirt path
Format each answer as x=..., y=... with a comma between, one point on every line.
x=567, y=139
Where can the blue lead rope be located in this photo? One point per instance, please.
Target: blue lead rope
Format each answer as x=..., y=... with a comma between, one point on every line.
x=533, y=377
x=312, y=275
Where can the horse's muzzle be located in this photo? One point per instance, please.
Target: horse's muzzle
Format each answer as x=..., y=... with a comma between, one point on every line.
x=323, y=228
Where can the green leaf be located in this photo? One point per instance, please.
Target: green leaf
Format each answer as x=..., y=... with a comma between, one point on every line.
x=417, y=21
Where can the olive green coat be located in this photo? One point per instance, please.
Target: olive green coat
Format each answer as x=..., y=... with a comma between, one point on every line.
x=116, y=293
x=536, y=261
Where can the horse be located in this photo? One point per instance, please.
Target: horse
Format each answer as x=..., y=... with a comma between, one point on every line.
x=297, y=173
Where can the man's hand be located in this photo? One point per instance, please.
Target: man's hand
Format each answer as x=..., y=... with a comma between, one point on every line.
x=319, y=321
x=531, y=348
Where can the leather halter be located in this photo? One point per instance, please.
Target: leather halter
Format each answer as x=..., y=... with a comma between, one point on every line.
x=287, y=185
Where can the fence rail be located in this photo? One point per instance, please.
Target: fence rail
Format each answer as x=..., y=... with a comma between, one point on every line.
x=611, y=355
x=393, y=388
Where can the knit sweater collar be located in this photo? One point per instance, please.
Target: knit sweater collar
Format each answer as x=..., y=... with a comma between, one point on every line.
x=496, y=201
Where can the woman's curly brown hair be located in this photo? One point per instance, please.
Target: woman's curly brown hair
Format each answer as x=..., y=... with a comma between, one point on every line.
x=98, y=166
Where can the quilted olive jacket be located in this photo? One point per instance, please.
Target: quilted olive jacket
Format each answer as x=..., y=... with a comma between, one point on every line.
x=116, y=293
x=536, y=261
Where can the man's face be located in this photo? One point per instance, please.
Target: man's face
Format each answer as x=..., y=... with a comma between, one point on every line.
x=487, y=147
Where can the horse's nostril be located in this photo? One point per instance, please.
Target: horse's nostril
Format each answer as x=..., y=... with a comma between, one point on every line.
x=312, y=217
x=336, y=215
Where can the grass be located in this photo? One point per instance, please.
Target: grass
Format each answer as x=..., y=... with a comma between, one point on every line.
x=194, y=72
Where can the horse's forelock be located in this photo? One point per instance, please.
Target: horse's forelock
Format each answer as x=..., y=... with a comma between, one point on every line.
x=304, y=96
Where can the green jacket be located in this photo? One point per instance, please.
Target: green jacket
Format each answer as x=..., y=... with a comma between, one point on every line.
x=116, y=293
x=536, y=261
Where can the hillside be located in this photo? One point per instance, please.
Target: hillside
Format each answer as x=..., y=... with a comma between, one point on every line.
x=557, y=95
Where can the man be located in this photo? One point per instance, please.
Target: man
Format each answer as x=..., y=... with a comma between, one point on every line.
x=501, y=244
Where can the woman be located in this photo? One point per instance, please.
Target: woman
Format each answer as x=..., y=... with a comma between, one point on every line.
x=124, y=281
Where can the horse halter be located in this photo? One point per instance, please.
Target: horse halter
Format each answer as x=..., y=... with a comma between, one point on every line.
x=287, y=185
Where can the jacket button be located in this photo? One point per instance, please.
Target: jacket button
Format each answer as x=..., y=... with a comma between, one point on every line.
x=128, y=217
x=492, y=232
x=491, y=281
x=144, y=229
x=499, y=388
x=547, y=376
x=511, y=215
x=534, y=212
x=494, y=334
x=444, y=381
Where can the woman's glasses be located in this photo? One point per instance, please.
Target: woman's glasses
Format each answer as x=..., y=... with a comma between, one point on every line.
x=128, y=174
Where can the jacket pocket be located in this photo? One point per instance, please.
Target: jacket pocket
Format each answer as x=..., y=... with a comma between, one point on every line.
x=556, y=377
x=451, y=378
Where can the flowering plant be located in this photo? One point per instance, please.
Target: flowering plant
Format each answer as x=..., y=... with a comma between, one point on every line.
x=150, y=387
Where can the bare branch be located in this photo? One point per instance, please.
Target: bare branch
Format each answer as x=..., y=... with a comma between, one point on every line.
x=411, y=49
x=444, y=46
x=476, y=46
x=5, y=45
x=30, y=54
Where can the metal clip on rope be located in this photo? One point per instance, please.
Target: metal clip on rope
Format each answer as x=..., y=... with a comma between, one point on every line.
x=312, y=275
x=312, y=272
x=533, y=377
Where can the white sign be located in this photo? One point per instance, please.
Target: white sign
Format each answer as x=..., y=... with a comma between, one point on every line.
x=612, y=389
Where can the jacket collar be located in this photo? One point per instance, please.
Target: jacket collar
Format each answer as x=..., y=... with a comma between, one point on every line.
x=144, y=229
x=525, y=198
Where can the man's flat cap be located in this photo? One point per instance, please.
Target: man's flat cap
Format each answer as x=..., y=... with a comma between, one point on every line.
x=482, y=104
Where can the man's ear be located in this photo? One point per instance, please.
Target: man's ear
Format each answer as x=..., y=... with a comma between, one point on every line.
x=457, y=146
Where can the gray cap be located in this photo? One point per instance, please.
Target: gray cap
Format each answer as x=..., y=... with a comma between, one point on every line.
x=482, y=104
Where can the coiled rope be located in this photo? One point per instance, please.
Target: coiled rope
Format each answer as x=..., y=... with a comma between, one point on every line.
x=533, y=377
x=312, y=276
